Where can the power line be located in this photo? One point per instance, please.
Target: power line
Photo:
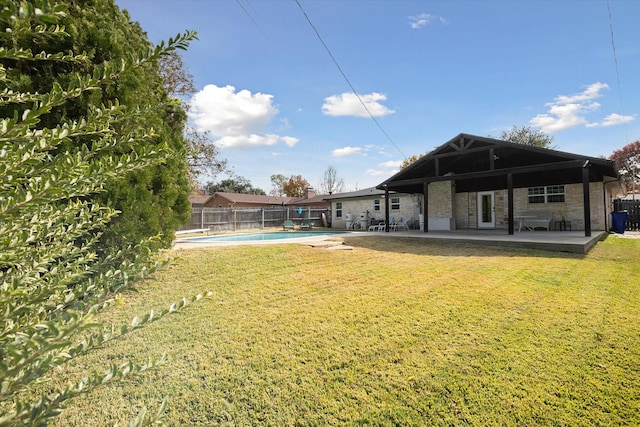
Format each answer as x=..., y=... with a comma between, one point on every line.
x=615, y=62
x=251, y=17
x=347, y=80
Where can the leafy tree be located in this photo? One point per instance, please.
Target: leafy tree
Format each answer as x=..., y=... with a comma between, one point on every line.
x=152, y=200
x=330, y=182
x=295, y=186
x=528, y=136
x=235, y=184
x=59, y=148
x=277, y=185
x=203, y=155
x=410, y=160
x=627, y=161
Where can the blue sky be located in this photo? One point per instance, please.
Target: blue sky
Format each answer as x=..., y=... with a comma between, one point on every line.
x=276, y=103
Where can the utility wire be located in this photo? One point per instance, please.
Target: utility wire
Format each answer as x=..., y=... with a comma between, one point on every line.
x=347, y=79
x=615, y=62
x=251, y=17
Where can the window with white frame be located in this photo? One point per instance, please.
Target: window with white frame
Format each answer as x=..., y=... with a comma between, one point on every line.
x=548, y=194
x=395, y=203
x=376, y=205
x=338, y=209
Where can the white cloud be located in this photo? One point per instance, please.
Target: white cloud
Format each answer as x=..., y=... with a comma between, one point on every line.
x=374, y=172
x=346, y=151
x=591, y=92
x=613, y=120
x=348, y=104
x=236, y=119
x=391, y=164
x=391, y=167
x=569, y=111
x=424, y=19
x=290, y=140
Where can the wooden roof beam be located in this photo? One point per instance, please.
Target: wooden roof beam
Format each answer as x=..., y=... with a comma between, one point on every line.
x=489, y=173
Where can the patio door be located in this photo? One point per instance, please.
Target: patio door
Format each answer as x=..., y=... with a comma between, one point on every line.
x=486, y=210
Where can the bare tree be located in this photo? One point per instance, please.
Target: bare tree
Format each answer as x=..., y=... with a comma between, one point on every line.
x=277, y=184
x=330, y=182
x=203, y=156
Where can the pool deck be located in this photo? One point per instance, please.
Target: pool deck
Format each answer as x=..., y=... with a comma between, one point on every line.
x=557, y=241
x=187, y=243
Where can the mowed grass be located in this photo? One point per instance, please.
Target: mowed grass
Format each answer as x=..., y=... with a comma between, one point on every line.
x=395, y=332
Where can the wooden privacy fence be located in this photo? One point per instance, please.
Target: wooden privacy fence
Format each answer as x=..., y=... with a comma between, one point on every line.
x=233, y=219
x=633, y=213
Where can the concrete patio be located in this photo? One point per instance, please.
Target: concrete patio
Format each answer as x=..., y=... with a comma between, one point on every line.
x=558, y=241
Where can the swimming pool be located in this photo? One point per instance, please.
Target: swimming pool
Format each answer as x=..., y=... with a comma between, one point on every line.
x=275, y=235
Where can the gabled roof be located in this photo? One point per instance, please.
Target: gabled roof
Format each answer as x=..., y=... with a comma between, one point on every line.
x=254, y=198
x=480, y=163
x=365, y=192
x=199, y=199
x=319, y=198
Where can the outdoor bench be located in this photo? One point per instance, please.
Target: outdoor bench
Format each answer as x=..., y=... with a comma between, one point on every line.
x=533, y=220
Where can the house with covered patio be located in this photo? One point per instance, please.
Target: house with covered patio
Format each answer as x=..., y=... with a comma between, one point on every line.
x=478, y=183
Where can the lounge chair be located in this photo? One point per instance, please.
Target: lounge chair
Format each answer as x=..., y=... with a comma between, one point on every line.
x=402, y=225
x=306, y=224
x=288, y=225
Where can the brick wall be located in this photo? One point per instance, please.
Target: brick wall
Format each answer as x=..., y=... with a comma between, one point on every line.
x=445, y=203
x=466, y=206
x=364, y=204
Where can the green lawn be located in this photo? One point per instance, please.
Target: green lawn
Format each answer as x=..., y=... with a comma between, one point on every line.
x=394, y=332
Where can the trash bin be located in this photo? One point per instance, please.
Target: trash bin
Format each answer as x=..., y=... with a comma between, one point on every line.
x=618, y=221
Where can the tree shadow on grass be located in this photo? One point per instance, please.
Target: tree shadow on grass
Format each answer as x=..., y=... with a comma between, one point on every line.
x=431, y=247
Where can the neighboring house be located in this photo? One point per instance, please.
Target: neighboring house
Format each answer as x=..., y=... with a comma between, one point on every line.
x=201, y=201
x=473, y=182
x=239, y=200
x=369, y=204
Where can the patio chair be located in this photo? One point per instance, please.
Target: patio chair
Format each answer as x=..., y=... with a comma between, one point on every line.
x=376, y=226
x=402, y=225
x=288, y=225
x=393, y=224
x=306, y=224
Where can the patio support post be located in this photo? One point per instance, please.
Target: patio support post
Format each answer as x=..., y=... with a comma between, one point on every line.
x=586, y=201
x=510, y=202
x=425, y=195
x=386, y=208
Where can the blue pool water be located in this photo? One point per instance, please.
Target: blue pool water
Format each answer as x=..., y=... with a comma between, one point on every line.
x=276, y=235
